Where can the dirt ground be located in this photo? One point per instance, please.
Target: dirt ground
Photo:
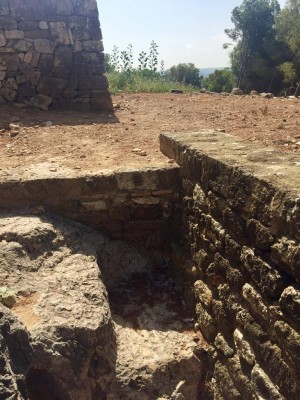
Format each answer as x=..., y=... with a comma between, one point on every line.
x=129, y=136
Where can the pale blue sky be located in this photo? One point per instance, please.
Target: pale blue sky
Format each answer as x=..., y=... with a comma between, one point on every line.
x=185, y=31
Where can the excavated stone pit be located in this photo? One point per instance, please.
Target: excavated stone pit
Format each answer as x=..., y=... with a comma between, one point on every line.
x=76, y=342
x=156, y=341
x=90, y=316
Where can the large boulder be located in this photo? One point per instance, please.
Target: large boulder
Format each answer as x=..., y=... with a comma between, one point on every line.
x=51, y=267
x=237, y=92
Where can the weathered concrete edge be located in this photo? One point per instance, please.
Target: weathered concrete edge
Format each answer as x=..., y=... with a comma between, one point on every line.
x=52, y=190
x=283, y=196
x=135, y=206
x=267, y=164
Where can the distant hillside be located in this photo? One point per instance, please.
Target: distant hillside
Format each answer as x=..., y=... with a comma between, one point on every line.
x=206, y=71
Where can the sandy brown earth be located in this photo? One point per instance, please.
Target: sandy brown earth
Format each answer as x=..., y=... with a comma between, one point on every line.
x=129, y=136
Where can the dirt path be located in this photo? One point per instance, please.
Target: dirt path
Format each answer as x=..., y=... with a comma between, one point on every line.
x=129, y=137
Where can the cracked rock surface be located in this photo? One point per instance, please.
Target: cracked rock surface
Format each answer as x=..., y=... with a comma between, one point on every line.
x=60, y=340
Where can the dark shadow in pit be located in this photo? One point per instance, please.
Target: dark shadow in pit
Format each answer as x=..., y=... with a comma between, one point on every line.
x=150, y=301
x=41, y=385
x=30, y=117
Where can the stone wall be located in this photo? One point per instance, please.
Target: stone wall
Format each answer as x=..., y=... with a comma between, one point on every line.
x=237, y=255
x=51, y=54
x=135, y=206
x=229, y=219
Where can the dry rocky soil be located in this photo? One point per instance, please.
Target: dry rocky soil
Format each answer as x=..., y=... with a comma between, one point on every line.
x=77, y=308
x=128, y=138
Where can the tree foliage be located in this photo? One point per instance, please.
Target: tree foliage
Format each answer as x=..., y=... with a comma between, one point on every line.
x=219, y=81
x=253, y=58
x=185, y=73
x=288, y=31
x=266, y=52
x=288, y=26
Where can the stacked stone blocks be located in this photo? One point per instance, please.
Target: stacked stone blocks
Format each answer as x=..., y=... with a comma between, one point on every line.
x=51, y=54
x=136, y=206
x=237, y=253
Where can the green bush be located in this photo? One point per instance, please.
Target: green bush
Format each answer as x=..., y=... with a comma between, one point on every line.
x=185, y=73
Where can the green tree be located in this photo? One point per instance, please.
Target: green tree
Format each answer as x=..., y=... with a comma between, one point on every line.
x=288, y=72
x=255, y=55
x=288, y=25
x=185, y=73
x=288, y=31
x=219, y=81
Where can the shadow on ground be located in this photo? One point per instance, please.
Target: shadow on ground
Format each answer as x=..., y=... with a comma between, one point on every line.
x=150, y=301
x=30, y=117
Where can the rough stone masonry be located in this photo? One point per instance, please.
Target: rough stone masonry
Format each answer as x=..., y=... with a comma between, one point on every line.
x=238, y=255
x=227, y=222
x=51, y=54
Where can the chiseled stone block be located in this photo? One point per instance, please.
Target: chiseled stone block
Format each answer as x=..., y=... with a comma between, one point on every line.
x=286, y=254
x=268, y=279
x=206, y=323
x=60, y=33
x=203, y=293
x=290, y=343
x=259, y=235
x=239, y=377
x=4, y=7
x=92, y=45
x=2, y=39
x=222, y=345
x=8, y=94
x=263, y=386
x=43, y=25
x=243, y=347
x=14, y=34
x=290, y=304
x=22, y=45
x=44, y=46
x=86, y=8
x=225, y=383
x=94, y=205
x=256, y=302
